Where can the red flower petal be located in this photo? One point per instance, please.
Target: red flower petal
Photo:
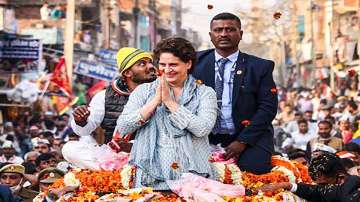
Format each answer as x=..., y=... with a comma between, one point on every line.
x=160, y=72
x=351, y=72
x=245, y=122
x=277, y=15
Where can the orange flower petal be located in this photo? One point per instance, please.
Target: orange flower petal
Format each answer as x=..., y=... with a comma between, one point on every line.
x=274, y=90
x=174, y=166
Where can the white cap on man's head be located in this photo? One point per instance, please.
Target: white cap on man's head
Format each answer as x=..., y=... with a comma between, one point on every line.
x=7, y=144
x=323, y=147
x=43, y=141
x=344, y=117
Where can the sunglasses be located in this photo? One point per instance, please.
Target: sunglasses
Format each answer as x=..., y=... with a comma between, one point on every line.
x=11, y=177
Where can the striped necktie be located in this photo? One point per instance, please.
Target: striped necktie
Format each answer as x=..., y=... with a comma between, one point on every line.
x=219, y=87
x=219, y=82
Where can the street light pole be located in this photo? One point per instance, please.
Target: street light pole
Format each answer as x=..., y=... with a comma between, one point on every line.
x=332, y=73
x=69, y=38
x=313, y=59
x=136, y=11
x=105, y=23
x=295, y=37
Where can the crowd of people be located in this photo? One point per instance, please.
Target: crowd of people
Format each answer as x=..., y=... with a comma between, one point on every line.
x=219, y=96
x=31, y=157
x=311, y=120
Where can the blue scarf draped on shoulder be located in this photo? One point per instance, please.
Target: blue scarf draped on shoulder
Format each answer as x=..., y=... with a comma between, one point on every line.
x=144, y=156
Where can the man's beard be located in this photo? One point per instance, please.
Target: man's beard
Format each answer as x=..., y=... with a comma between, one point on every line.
x=8, y=156
x=139, y=79
x=325, y=135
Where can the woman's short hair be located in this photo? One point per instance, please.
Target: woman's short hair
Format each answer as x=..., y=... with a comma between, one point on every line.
x=179, y=47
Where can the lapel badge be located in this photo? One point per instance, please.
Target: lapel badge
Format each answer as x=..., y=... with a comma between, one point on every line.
x=239, y=72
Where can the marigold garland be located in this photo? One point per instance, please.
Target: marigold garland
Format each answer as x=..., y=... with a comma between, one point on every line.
x=252, y=181
x=276, y=198
x=227, y=177
x=282, y=162
x=227, y=174
x=304, y=172
x=92, y=183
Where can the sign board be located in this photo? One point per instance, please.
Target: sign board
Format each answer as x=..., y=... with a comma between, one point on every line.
x=20, y=54
x=96, y=70
x=107, y=56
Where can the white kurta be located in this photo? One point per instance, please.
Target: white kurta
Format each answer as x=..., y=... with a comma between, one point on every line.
x=87, y=144
x=97, y=111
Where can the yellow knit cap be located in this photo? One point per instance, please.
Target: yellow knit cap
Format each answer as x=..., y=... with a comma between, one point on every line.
x=127, y=57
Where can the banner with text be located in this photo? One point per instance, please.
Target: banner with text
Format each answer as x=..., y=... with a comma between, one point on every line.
x=20, y=54
x=107, y=56
x=96, y=70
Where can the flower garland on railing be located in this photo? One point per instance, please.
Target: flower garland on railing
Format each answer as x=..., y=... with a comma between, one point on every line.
x=283, y=170
x=287, y=167
x=252, y=181
x=227, y=173
x=93, y=183
x=111, y=184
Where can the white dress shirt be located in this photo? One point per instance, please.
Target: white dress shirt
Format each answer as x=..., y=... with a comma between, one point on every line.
x=299, y=140
x=226, y=121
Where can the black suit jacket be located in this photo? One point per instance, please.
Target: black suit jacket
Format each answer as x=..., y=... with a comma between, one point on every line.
x=254, y=98
x=346, y=192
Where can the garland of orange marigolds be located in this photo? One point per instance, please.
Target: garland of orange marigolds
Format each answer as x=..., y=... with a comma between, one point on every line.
x=101, y=185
